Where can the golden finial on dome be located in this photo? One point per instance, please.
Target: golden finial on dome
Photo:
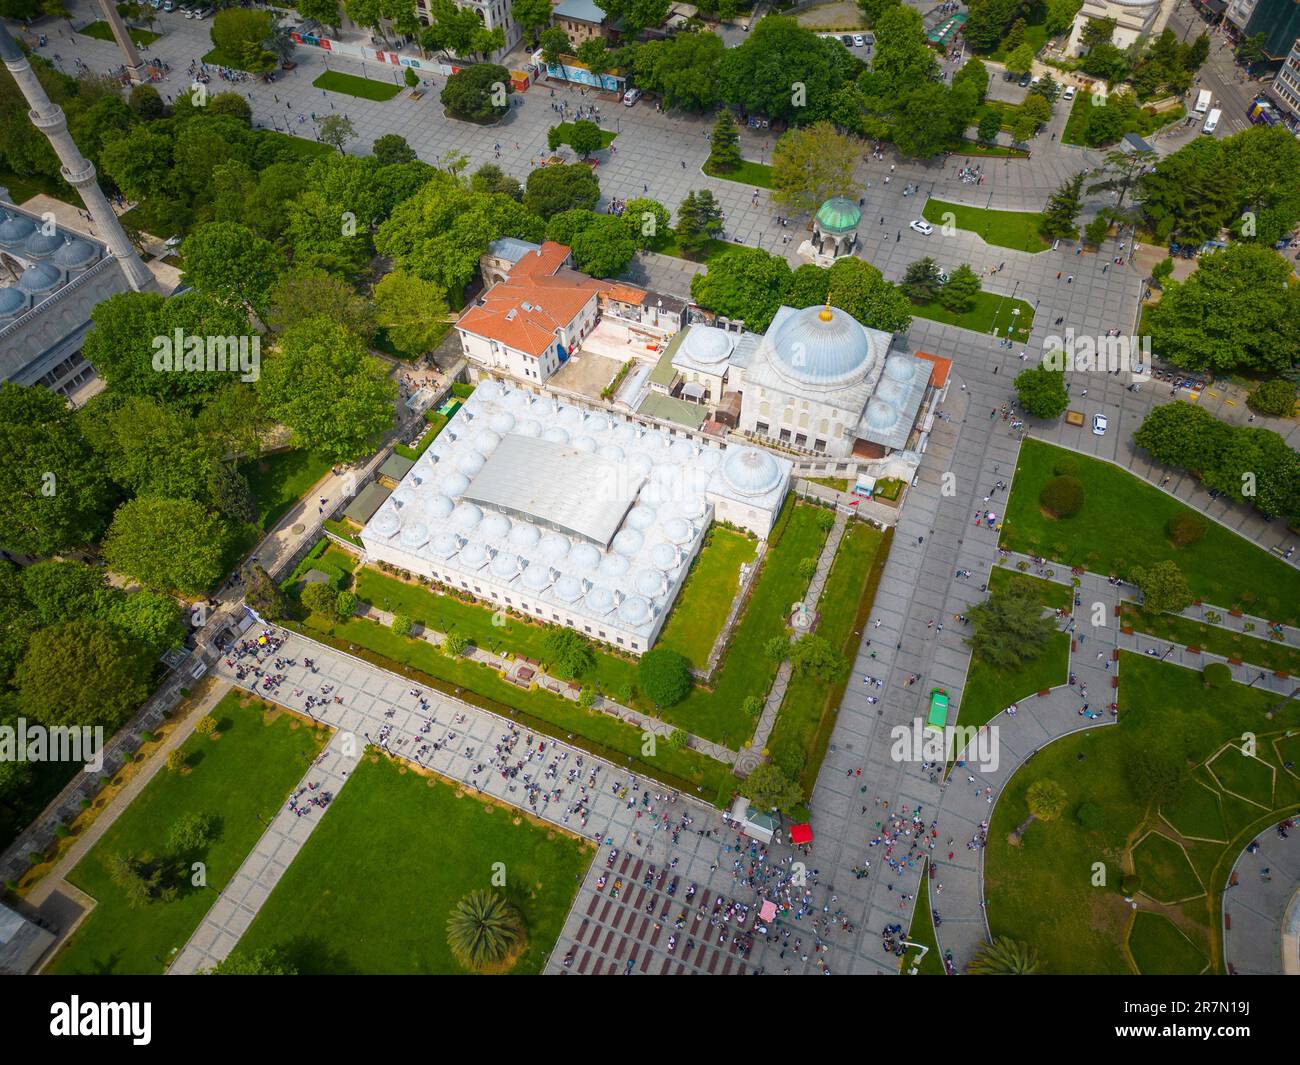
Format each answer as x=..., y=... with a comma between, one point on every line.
x=825, y=313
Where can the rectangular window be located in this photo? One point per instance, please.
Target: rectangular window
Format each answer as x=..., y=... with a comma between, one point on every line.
x=800, y=440
x=819, y=445
x=785, y=436
x=761, y=428
x=619, y=638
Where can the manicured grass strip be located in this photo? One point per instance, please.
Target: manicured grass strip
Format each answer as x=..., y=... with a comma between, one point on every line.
x=989, y=691
x=1017, y=230
x=670, y=246
x=371, y=891
x=748, y=173
x=1160, y=949
x=1197, y=813
x=239, y=777
x=1167, y=875
x=351, y=85
x=1052, y=595
x=482, y=686
x=991, y=313
x=566, y=134
x=279, y=480
x=1251, y=778
x=1122, y=525
x=101, y=31
x=922, y=931
x=439, y=423
x=702, y=605
x=1041, y=891
x=807, y=713
x=717, y=713
x=1271, y=654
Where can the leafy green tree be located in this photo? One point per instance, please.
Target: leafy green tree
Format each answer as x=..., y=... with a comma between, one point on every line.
x=491, y=178
x=483, y=929
x=532, y=15
x=1275, y=396
x=648, y=223
x=873, y=9
x=82, y=672
x=810, y=165
x=167, y=543
x=305, y=292
x=990, y=124
x=345, y=605
x=1164, y=587
x=961, y=292
x=1058, y=220
x=1009, y=628
x=771, y=789
x=988, y=23
x=141, y=878
x=585, y=137
x=569, y=656
x=1060, y=15
x=325, y=386
x=1046, y=800
x=749, y=80
x=1021, y=59
x=230, y=263
x=149, y=448
x=665, y=676
x=1097, y=31
x=743, y=283
x=813, y=655
x=637, y=15
x=683, y=70
x=320, y=598
x=555, y=45
x=239, y=38
x=1096, y=231
x=594, y=55
x=921, y=281
x=604, y=248
x=1041, y=392
x=859, y=288
x=724, y=145
x=263, y=594
x=1004, y=957
x=411, y=310
x=392, y=148
x=552, y=189
x=52, y=488
x=1105, y=125
x=61, y=591
x=192, y=833
x=809, y=286
x=699, y=223
x=269, y=961
x=478, y=93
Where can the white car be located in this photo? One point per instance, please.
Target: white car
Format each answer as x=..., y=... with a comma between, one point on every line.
x=1068, y=95
x=859, y=41
x=924, y=228
x=1099, y=425
x=631, y=97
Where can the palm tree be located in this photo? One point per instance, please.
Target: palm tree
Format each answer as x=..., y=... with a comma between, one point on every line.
x=1004, y=957
x=483, y=928
x=1046, y=800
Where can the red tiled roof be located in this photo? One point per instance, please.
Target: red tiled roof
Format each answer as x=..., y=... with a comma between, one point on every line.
x=941, y=366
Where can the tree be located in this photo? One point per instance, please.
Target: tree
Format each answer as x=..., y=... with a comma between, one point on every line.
x=921, y=281
x=585, y=137
x=1275, y=396
x=1105, y=125
x=1021, y=59
x=52, y=488
x=149, y=448
x=1163, y=586
x=699, y=223
x=989, y=22
x=1121, y=174
x=961, y=292
x=319, y=598
x=141, y=879
x=594, y=55
x=455, y=644
x=262, y=594
x=873, y=9
x=1186, y=528
x=664, y=676
x=1046, y=800
x=1235, y=312
x=1062, y=496
x=811, y=165
x=306, y=291
x=1041, y=392
x=411, y=310
x=749, y=78
x=230, y=263
x=637, y=15
x=491, y=178
x=325, y=386
x=345, y=605
x=683, y=70
x=1009, y=628
x=167, y=544
x=859, y=288
x=1096, y=231
x=268, y=961
x=483, y=929
x=724, y=145
x=82, y=672
x=391, y=149
x=150, y=620
x=569, y=656
x=990, y=124
x=564, y=227
x=1216, y=675
x=146, y=102
x=192, y=833
x=1058, y=220
x=604, y=248
x=60, y=591
x=648, y=222
x=1034, y=112
x=553, y=189
x=743, y=283
x=555, y=45
x=1060, y=15
x=239, y=37
x=1004, y=957
x=813, y=655
x=232, y=105
x=478, y=93
x=930, y=119
x=532, y=15
x=771, y=789
x=1097, y=31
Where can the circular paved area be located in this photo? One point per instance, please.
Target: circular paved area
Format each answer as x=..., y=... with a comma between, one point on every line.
x=1261, y=907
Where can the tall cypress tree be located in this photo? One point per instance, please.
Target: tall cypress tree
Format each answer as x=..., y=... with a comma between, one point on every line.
x=1062, y=209
x=725, y=140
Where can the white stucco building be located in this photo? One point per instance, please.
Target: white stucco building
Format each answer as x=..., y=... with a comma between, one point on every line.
x=1133, y=19
x=583, y=520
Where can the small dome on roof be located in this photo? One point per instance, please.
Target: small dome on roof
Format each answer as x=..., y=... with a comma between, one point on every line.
x=596, y=424
x=583, y=442
x=553, y=547
x=75, y=254
x=626, y=435
x=678, y=530
x=528, y=427
x=649, y=582
x=494, y=526
x=437, y=506
x=682, y=450
x=634, y=610
x=556, y=435
x=470, y=462
x=537, y=576
x=15, y=229
x=583, y=559
x=567, y=588
x=709, y=458
x=39, y=278
x=473, y=556
x=505, y=565
x=444, y=544
x=524, y=537
x=454, y=484
x=880, y=415
x=628, y=542
x=41, y=245
x=600, y=600
x=750, y=472
x=415, y=534
x=610, y=451
x=900, y=367
x=612, y=567
x=517, y=400
x=640, y=464
x=12, y=302
x=664, y=556
x=501, y=422
x=640, y=517
x=489, y=390
x=466, y=516
x=485, y=440
x=707, y=344
x=891, y=391
x=570, y=418
x=385, y=523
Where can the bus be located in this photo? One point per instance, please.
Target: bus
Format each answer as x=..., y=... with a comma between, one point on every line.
x=938, y=719
x=1211, y=121
x=1203, y=99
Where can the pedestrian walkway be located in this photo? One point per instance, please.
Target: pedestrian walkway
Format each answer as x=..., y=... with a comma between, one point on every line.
x=1261, y=906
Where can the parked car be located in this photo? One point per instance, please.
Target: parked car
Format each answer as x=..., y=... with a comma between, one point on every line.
x=631, y=97
x=859, y=41
x=1099, y=425
x=847, y=41
x=1024, y=80
x=169, y=5
x=1068, y=95
x=924, y=228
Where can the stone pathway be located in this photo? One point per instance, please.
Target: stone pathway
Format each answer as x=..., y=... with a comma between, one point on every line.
x=562, y=688
x=753, y=756
x=1261, y=908
x=256, y=878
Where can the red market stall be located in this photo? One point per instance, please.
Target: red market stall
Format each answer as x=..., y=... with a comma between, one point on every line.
x=801, y=835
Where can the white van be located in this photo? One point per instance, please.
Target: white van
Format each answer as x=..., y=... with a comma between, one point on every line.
x=1211, y=121
x=1203, y=100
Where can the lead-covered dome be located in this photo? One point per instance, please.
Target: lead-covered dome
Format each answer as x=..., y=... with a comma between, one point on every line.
x=821, y=346
x=12, y=302
x=38, y=279
x=880, y=415
x=750, y=472
x=15, y=229
x=707, y=344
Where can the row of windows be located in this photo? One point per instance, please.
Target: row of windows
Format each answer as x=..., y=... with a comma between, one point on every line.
x=800, y=439
x=540, y=609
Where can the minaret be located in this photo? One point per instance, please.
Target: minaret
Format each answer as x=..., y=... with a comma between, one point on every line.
x=134, y=64
x=77, y=170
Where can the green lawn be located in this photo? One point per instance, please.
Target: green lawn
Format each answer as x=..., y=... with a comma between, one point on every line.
x=807, y=714
x=1017, y=230
x=1122, y=525
x=371, y=890
x=351, y=85
x=1160, y=949
x=279, y=480
x=1035, y=37
x=1167, y=875
x=755, y=175
x=242, y=776
x=566, y=133
x=1041, y=891
x=534, y=708
x=1051, y=594
x=715, y=247
x=701, y=607
x=284, y=144
x=1197, y=813
x=102, y=32
x=1270, y=654
x=717, y=713
x=992, y=313
x=922, y=931
x=1251, y=778
x=1144, y=123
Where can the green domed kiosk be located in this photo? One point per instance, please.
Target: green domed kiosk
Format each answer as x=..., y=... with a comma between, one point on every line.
x=835, y=227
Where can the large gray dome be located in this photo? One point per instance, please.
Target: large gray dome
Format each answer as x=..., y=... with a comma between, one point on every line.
x=821, y=346
x=74, y=254
x=41, y=245
x=15, y=229
x=39, y=278
x=12, y=302
x=750, y=472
